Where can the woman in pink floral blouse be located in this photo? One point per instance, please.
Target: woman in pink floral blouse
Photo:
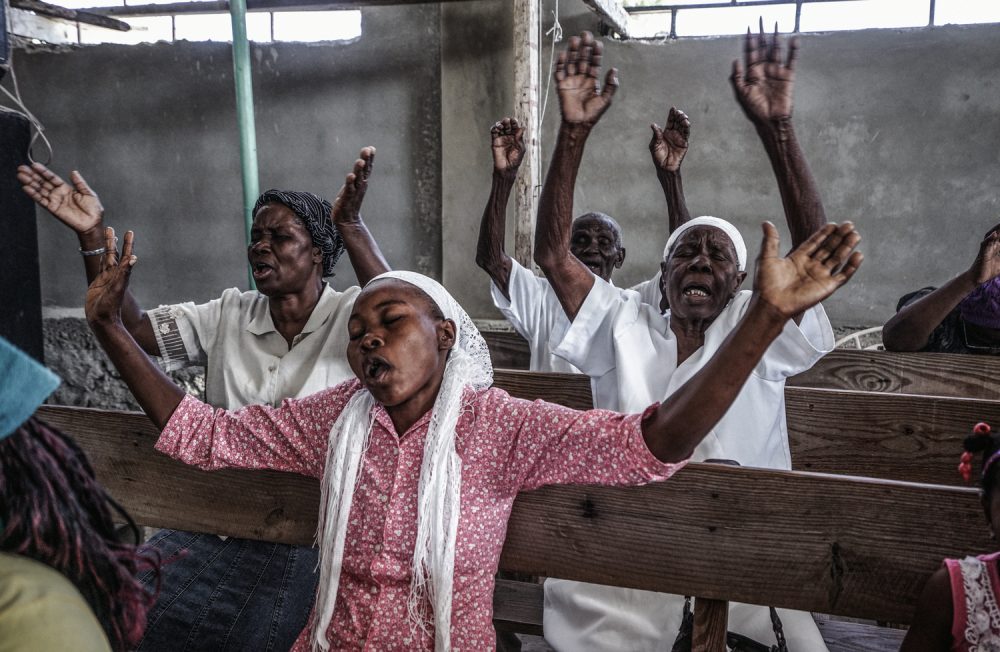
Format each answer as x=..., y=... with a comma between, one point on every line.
x=420, y=460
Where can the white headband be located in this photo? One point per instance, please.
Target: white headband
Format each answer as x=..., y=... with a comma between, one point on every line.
x=722, y=225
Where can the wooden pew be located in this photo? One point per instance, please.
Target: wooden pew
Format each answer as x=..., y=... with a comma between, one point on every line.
x=892, y=436
x=931, y=374
x=853, y=547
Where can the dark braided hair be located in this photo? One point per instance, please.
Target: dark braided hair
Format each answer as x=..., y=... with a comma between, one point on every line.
x=982, y=440
x=55, y=512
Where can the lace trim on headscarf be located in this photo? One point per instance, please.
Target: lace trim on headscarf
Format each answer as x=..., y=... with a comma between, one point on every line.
x=439, y=490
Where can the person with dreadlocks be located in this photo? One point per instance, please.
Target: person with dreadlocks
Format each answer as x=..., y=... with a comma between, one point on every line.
x=420, y=460
x=285, y=339
x=66, y=582
x=957, y=609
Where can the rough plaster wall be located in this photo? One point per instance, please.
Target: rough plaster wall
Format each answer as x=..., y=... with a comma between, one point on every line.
x=153, y=128
x=89, y=379
x=898, y=126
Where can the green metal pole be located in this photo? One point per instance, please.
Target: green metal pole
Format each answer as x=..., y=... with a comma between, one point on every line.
x=244, y=115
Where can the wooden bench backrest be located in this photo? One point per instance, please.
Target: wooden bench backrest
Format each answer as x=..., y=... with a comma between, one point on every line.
x=931, y=374
x=850, y=546
x=891, y=436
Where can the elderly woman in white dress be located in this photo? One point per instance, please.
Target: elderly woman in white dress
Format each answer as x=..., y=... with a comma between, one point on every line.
x=636, y=354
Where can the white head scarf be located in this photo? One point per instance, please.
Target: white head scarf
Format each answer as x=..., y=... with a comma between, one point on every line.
x=722, y=225
x=439, y=492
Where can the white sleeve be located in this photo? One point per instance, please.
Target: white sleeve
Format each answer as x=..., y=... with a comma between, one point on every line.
x=649, y=291
x=185, y=330
x=524, y=308
x=799, y=346
x=589, y=342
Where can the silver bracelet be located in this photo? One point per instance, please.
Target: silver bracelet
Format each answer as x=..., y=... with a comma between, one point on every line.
x=94, y=252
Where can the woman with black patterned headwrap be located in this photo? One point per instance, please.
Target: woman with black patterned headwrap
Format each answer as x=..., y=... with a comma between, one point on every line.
x=286, y=339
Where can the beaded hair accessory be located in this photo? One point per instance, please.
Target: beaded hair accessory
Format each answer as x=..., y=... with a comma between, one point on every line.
x=981, y=429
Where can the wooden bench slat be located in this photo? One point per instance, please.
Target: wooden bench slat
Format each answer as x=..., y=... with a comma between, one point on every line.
x=159, y=491
x=843, y=636
x=830, y=544
x=931, y=374
x=893, y=436
x=518, y=606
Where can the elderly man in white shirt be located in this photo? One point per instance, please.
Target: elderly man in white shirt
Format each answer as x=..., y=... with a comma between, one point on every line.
x=527, y=300
x=641, y=356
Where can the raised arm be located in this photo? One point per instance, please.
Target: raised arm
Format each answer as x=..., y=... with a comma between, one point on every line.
x=783, y=288
x=508, y=150
x=763, y=88
x=581, y=103
x=78, y=207
x=668, y=147
x=911, y=327
x=364, y=252
x=156, y=393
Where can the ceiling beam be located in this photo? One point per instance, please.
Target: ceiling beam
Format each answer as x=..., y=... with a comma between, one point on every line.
x=215, y=6
x=613, y=13
x=80, y=16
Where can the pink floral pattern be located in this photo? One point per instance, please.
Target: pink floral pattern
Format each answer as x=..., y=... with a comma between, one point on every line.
x=507, y=445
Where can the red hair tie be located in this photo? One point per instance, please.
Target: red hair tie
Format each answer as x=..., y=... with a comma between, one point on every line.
x=965, y=464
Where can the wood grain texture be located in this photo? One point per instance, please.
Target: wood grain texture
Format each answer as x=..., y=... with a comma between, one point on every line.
x=893, y=436
x=571, y=390
x=931, y=374
x=843, y=636
x=848, y=546
x=159, y=491
x=508, y=350
x=518, y=606
x=711, y=618
x=880, y=435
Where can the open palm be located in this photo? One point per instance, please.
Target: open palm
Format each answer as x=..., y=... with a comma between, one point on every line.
x=811, y=272
x=764, y=88
x=77, y=205
x=577, y=72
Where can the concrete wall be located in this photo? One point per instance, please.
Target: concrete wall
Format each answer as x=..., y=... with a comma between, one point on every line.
x=153, y=128
x=900, y=128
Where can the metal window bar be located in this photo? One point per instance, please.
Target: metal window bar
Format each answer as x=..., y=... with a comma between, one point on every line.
x=673, y=9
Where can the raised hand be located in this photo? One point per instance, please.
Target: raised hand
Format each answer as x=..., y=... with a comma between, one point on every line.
x=508, y=146
x=764, y=87
x=668, y=146
x=578, y=69
x=811, y=272
x=106, y=293
x=347, y=205
x=76, y=206
x=987, y=264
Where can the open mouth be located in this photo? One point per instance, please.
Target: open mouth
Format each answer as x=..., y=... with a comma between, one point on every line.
x=695, y=291
x=261, y=270
x=375, y=369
